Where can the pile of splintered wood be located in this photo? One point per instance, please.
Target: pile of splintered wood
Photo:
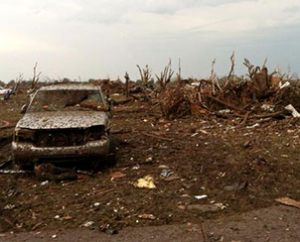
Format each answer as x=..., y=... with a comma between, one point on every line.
x=239, y=94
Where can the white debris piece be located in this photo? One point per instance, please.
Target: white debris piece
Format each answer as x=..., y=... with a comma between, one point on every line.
x=88, y=224
x=295, y=113
x=268, y=107
x=44, y=183
x=253, y=126
x=286, y=84
x=224, y=111
x=200, y=197
x=96, y=204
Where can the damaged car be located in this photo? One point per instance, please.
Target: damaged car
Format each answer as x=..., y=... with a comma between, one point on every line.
x=63, y=122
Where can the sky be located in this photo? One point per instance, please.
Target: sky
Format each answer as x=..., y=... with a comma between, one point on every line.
x=82, y=39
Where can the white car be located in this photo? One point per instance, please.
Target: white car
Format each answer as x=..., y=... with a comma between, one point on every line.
x=4, y=92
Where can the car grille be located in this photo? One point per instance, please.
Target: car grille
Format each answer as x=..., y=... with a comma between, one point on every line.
x=57, y=138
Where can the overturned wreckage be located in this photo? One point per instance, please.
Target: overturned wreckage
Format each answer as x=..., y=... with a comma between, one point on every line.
x=63, y=122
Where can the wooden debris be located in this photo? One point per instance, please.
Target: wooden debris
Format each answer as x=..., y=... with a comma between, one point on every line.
x=174, y=103
x=288, y=202
x=225, y=103
x=120, y=131
x=116, y=175
x=243, y=123
x=271, y=115
x=157, y=137
x=171, y=178
x=36, y=226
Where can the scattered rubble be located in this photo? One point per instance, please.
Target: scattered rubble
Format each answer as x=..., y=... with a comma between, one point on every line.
x=145, y=182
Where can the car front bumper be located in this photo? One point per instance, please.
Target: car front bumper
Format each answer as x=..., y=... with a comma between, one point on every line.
x=27, y=151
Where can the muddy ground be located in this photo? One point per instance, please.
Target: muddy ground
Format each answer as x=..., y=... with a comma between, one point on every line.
x=278, y=223
x=239, y=167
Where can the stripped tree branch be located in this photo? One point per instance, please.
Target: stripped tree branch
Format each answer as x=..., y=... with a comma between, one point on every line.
x=265, y=63
x=127, y=78
x=145, y=74
x=232, y=59
x=213, y=78
x=165, y=76
x=231, y=72
x=36, y=77
x=179, y=71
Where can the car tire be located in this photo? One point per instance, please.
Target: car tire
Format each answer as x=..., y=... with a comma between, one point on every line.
x=111, y=157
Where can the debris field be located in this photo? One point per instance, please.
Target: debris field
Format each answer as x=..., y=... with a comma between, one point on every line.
x=185, y=153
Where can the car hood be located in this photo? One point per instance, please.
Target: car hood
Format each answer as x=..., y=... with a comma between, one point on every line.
x=62, y=120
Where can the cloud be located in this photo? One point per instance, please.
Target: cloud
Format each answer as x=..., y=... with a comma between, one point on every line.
x=101, y=37
x=207, y=14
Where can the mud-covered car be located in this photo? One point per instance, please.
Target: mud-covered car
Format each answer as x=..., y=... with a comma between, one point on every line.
x=63, y=122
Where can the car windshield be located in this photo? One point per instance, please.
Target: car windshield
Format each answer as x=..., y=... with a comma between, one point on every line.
x=62, y=100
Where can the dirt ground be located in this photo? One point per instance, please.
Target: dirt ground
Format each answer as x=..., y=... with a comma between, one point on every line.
x=276, y=224
x=240, y=168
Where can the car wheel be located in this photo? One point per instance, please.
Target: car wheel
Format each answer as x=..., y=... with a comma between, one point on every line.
x=111, y=157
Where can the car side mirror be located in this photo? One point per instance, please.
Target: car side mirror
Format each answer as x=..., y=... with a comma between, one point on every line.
x=24, y=108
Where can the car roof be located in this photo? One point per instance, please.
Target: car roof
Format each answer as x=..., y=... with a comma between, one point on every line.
x=70, y=87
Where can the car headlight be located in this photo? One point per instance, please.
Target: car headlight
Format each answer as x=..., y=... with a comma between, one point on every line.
x=24, y=135
x=95, y=133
